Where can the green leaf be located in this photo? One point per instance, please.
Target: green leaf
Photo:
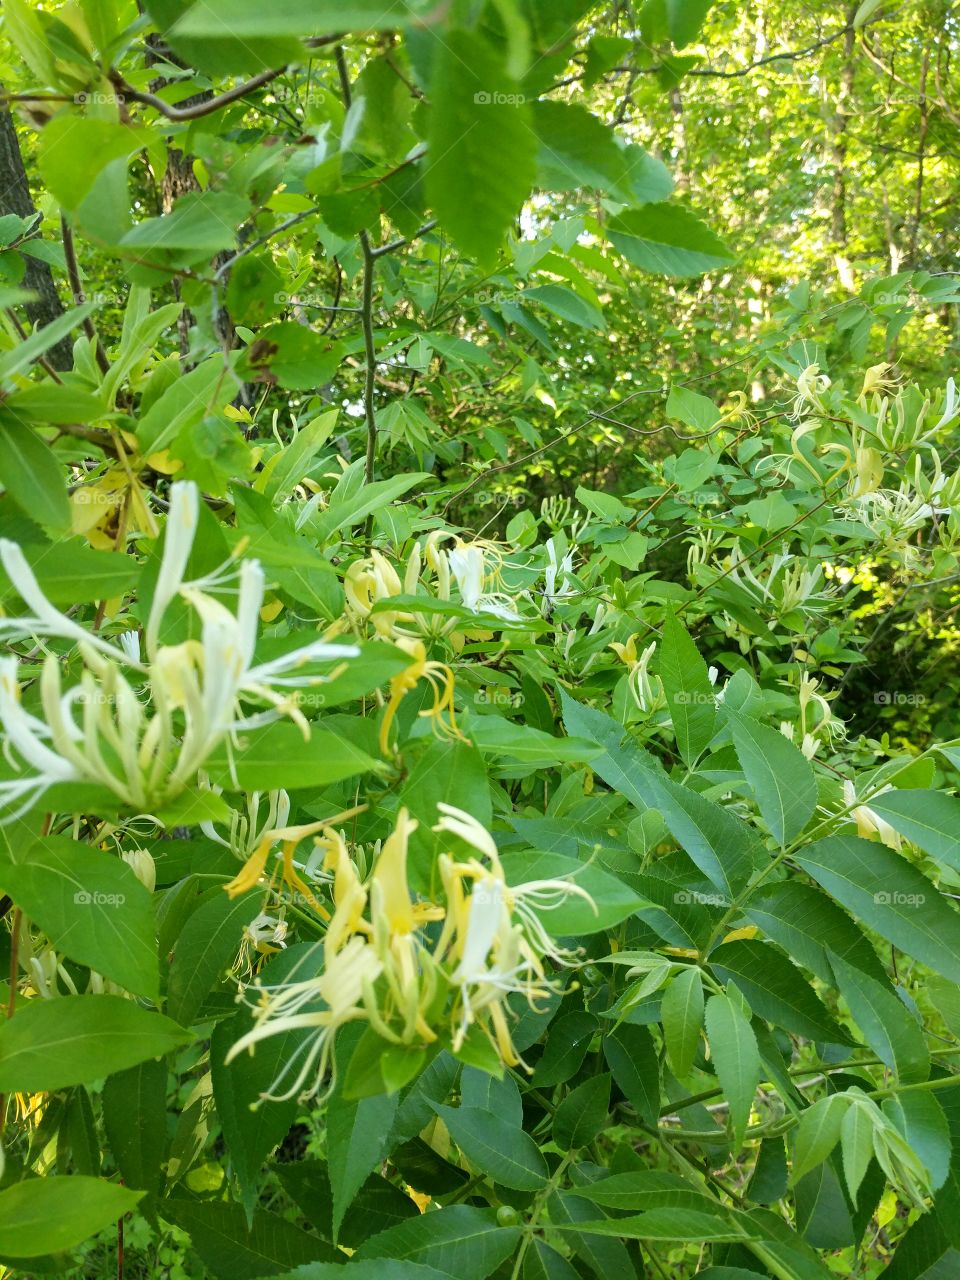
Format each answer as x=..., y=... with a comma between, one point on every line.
x=632, y=1057
x=544, y=1263
x=612, y=900
x=70, y=574
x=668, y=1224
x=497, y=736
x=578, y=150
x=50, y=1044
x=721, y=844
x=690, y=695
x=458, y=1239
x=807, y=924
x=920, y=1118
x=277, y=755
x=45, y=1215
x=684, y=20
x=736, y=1059
x=566, y=304
x=681, y=1013
x=479, y=1089
x=91, y=906
x=200, y=222
x=206, y=950
x=692, y=409
x=776, y=989
x=567, y=1044
x=293, y=355
x=496, y=1147
x=134, y=1105
x=888, y=1027
x=604, y=1255
x=889, y=895
x=645, y=1189
x=818, y=1133
x=232, y=1251
x=669, y=240
x=856, y=1145
x=583, y=1113
x=780, y=776
x=252, y=1128
x=205, y=390
x=358, y=1135
x=249, y=20
x=32, y=476
x=928, y=819
x=482, y=148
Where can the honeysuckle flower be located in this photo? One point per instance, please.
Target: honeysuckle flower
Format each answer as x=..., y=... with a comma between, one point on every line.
x=811, y=384
x=440, y=678
x=248, y=829
x=879, y=379
x=468, y=565
x=951, y=405
x=366, y=583
x=321, y=1004
x=556, y=570
x=143, y=727
x=647, y=690
x=397, y=920
x=141, y=863
x=495, y=934
x=266, y=933
x=869, y=823
x=253, y=871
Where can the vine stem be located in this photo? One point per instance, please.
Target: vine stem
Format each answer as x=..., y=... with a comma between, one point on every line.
x=366, y=306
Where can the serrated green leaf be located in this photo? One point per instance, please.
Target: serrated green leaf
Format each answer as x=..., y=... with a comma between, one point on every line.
x=496, y=1147
x=681, y=1013
x=736, y=1059
x=482, y=148
x=888, y=895
x=780, y=776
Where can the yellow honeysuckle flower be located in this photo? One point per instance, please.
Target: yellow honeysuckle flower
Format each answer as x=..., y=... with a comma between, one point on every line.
x=440, y=678
x=252, y=871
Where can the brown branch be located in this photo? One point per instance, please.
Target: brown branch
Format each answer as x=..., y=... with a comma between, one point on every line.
x=198, y=109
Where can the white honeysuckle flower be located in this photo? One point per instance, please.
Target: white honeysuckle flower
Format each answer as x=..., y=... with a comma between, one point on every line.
x=45, y=618
x=468, y=565
x=266, y=932
x=147, y=744
x=28, y=738
x=321, y=1005
x=869, y=823
x=951, y=405
x=556, y=570
x=458, y=823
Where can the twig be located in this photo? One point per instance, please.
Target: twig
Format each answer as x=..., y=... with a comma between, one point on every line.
x=393, y=245
x=279, y=229
x=76, y=288
x=199, y=109
x=366, y=307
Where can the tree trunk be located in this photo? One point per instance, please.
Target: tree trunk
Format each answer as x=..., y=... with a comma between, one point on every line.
x=15, y=198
